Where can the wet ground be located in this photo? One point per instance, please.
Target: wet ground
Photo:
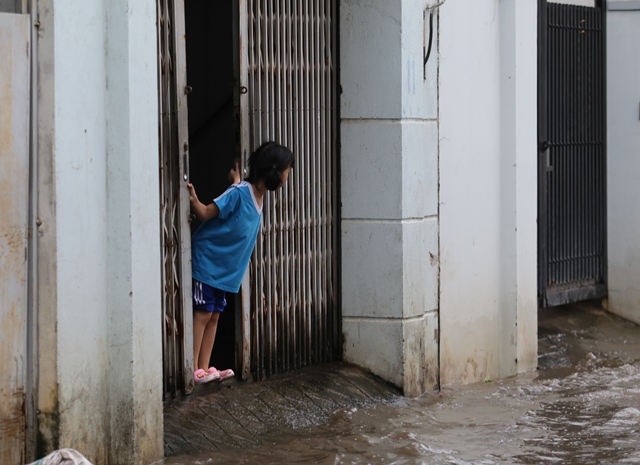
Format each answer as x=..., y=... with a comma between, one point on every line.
x=239, y=416
x=581, y=407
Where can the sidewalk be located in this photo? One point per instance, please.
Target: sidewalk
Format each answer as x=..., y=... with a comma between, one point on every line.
x=235, y=414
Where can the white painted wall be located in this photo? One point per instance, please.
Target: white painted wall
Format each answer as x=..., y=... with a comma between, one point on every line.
x=100, y=251
x=389, y=193
x=623, y=157
x=519, y=187
x=488, y=310
x=134, y=256
x=81, y=227
x=485, y=314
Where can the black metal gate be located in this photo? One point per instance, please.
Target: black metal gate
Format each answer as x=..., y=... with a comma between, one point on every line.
x=572, y=154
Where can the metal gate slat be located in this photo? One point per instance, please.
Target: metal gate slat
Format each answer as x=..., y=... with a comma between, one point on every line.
x=175, y=266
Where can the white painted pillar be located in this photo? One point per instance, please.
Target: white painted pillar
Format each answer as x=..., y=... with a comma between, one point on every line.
x=488, y=191
x=519, y=186
x=100, y=335
x=133, y=241
x=76, y=231
x=389, y=150
x=623, y=157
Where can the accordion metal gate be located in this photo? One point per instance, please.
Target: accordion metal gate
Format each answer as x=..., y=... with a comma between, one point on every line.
x=174, y=199
x=288, y=94
x=572, y=154
x=286, y=79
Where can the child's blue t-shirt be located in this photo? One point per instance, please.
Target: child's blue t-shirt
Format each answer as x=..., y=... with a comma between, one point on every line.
x=221, y=247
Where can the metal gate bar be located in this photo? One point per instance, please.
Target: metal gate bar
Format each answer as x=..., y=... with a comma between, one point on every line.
x=166, y=100
x=573, y=176
x=292, y=85
x=174, y=227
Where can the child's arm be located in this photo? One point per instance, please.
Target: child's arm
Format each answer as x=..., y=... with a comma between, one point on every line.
x=203, y=212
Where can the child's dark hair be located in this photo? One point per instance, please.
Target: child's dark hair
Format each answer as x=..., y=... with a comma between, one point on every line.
x=267, y=163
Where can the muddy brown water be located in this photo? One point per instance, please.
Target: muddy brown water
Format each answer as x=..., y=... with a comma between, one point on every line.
x=582, y=406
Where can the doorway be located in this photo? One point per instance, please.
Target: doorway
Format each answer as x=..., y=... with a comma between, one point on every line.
x=245, y=72
x=213, y=138
x=572, y=235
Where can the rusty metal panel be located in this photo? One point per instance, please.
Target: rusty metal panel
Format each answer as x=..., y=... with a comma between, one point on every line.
x=174, y=199
x=14, y=207
x=292, y=99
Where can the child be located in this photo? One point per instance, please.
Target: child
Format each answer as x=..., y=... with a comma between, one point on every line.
x=222, y=246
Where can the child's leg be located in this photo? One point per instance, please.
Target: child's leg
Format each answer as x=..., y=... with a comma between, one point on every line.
x=208, y=338
x=200, y=321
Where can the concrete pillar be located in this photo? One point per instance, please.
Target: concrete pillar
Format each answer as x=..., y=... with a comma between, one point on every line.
x=519, y=187
x=99, y=309
x=75, y=241
x=389, y=163
x=623, y=163
x=488, y=191
x=133, y=237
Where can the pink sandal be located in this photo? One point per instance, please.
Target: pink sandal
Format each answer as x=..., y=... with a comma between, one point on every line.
x=200, y=376
x=222, y=375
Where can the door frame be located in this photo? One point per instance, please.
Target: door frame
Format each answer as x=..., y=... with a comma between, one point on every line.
x=240, y=73
x=177, y=316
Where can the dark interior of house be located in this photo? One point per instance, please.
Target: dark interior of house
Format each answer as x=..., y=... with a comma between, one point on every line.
x=212, y=128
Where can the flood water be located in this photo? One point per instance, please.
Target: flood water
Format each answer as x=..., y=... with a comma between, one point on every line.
x=581, y=407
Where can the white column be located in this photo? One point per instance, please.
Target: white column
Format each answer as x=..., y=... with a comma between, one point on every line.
x=100, y=335
x=78, y=226
x=488, y=189
x=389, y=193
x=623, y=158
x=518, y=265
x=133, y=248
